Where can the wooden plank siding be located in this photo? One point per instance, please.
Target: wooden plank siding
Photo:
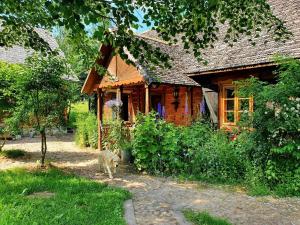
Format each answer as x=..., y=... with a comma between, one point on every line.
x=137, y=99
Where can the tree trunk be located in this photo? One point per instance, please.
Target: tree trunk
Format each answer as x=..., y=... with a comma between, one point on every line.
x=44, y=148
x=3, y=143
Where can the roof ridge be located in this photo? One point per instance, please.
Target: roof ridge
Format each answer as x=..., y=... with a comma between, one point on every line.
x=156, y=39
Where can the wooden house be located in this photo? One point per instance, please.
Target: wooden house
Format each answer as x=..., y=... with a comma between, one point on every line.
x=190, y=87
x=175, y=97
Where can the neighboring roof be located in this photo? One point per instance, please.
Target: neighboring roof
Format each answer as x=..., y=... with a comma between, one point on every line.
x=18, y=54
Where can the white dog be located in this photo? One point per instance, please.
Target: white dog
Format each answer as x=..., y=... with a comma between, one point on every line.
x=107, y=161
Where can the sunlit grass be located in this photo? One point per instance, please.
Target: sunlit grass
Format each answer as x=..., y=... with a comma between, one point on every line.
x=71, y=200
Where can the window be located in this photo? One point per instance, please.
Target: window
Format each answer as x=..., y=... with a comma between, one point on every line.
x=234, y=108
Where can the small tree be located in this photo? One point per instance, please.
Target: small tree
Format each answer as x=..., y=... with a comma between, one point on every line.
x=41, y=97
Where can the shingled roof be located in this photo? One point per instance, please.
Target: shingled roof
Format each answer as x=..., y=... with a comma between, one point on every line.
x=18, y=54
x=242, y=54
x=174, y=75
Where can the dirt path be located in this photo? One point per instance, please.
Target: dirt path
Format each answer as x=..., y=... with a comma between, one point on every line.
x=157, y=200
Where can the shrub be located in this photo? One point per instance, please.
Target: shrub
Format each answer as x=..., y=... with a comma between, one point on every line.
x=117, y=137
x=219, y=160
x=191, y=141
x=87, y=130
x=155, y=145
x=161, y=147
x=276, y=123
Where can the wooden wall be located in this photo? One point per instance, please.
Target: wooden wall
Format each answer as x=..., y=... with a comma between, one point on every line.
x=136, y=103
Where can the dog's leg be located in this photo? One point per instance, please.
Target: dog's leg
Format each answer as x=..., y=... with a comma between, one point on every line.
x=109, y=172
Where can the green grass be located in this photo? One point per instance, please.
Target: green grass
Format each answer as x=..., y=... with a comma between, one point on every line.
x=204, y=218
x=76, y=200
x=78, y=109
x=81, y=107
x=13, y=153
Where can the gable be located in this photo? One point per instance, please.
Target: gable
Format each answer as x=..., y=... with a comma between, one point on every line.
x=120, y=73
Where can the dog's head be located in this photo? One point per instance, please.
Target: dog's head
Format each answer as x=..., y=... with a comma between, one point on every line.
x=115, y=161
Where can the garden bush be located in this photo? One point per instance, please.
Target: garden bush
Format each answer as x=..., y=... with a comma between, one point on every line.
x=218, y=159
x=155, y=145
x=276, y=127
x=87, y=130
x=162, y=148
x=117, y=137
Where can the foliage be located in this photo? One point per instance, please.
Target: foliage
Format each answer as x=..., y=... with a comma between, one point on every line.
x=117, y=136
x=86, y=130
x=41, y=97
x=276, y=123
x=13, y=153
x=204, y=218
x=80, y=52
x=198, y=150
x=191, y=139
x=8, y=75
x=219, y=160
x=196, y=22
x=75, y=201
x=155, y=145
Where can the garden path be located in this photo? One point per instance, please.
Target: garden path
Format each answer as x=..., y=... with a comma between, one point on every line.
x=158, y=200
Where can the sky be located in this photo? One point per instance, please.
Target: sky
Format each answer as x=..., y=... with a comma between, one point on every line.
x=139, y=14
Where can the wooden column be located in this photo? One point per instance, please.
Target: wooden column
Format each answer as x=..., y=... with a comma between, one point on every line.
x=147, y=99
x=118, y=94
x=119, y=99
x=99, y=118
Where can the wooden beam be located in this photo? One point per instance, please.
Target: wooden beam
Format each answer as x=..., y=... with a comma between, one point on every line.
x=99, y=118
x=147, y=105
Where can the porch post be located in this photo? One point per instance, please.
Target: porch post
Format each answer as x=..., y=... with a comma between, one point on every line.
x=99, y=118
x=119, y=99
x=147, y=99
x=118, y=94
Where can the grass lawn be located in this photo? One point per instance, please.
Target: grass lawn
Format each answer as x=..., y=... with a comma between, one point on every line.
x=204, y=218
x=78, y=108
x=53, y=197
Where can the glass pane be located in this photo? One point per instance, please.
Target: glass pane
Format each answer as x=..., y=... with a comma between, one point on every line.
x=229, y=105
x=229, y=92
x=229, y=117
x=243, y=104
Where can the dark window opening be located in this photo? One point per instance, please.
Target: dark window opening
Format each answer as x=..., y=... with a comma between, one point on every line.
x=124, y=110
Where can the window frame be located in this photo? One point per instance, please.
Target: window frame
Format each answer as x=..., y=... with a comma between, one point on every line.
x=236, y=106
